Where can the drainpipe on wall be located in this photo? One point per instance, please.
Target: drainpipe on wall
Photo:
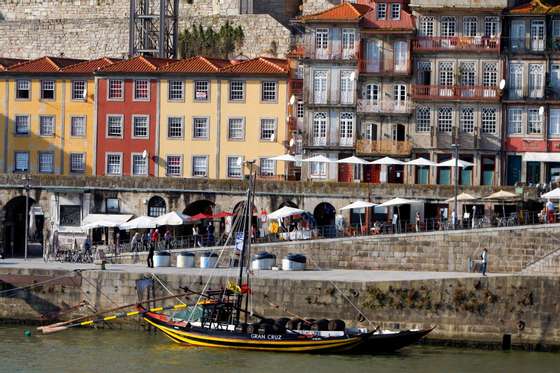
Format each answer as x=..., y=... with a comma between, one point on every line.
x=156, y=150
x=218, y=127
x=6, y=124
x=62, y=125
x=95, y=102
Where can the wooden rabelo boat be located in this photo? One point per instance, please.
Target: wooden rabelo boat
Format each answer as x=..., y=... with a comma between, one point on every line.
x=221, y=319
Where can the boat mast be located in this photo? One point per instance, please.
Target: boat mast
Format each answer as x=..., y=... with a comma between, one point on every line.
x=246, y=237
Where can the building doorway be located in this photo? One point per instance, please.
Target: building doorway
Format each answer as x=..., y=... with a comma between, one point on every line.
x=13, y=237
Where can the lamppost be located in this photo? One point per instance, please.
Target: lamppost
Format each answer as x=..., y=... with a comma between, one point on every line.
x=455, y=148
x=27, y=186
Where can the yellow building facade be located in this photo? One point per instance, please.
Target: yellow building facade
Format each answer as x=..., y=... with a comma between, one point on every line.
x=215, y=117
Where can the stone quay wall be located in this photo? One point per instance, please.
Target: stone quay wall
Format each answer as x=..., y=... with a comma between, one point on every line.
x=467, y=310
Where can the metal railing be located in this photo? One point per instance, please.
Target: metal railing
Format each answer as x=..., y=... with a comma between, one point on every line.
x=370, y=106
x=386, y=147
x=460, y=43
x=456, y=92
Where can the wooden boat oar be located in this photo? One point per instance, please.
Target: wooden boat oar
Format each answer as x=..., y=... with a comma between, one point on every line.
x=119, y=315
x=81, y=318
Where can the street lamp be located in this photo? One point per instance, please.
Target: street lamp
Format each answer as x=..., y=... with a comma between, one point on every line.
x=27, y=186
x=455, y=148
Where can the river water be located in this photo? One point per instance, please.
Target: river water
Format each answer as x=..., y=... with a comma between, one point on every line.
x=120, y=351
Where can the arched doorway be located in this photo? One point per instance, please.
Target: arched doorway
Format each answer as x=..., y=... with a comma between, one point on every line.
x=14, y=226
x=288, y=204
x=325, y=215
x=199, y=207
x=156, y=207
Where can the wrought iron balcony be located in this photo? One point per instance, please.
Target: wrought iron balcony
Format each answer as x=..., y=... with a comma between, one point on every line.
x=384, y=107
x=383, y=147
x=456, y=92
x=458, y=43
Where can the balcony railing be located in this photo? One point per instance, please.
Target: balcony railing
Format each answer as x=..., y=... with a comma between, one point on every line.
x=330, y=53
x=383, y=147
x=527, y=45
x=460, y=43
x=455, y=92
x=379, y=67
x=384, y=107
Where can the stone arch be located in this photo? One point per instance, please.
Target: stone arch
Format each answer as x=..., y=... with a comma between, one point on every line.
x=324, y=214
x=156, y=206
x=202, y=206
x=13, y=226
x=288, y=203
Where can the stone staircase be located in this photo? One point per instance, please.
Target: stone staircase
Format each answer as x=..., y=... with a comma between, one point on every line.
x=548, y=264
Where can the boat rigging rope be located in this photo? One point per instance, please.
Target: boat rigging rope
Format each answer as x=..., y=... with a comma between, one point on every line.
x=33, y=285
x=79, y=271
x=166, y=289
x=343, y=295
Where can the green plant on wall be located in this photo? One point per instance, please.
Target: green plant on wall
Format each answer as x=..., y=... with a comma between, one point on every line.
x=199, y=40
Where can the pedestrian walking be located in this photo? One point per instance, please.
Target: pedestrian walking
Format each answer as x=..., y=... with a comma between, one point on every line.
x=484, y=261
x=395, y=222
x=454, y=219
x=417, y=221
x=168, y=238
x=135, y=242
x=146, y=237
x=154, y=238
x=196, y=236
x=473, y=219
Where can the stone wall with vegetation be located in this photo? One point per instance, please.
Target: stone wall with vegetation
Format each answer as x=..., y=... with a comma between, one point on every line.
x=471, y=310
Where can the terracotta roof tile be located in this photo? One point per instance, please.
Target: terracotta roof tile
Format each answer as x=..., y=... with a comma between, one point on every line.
x=537, y=7
x=137, y=65
x=8, y=62
x=404, y=23
x=344, y=12
x=89, y=67
x=260, y=65
x=196, y=64
x=44, y=65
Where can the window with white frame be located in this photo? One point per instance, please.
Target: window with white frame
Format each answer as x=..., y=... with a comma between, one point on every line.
x=236, y=90
x=114, y=164
x=199, y=166
x=140, y=126
x=346, y=87
x=446, y=73
x=490, y=78
x=470, y=25
x=371, y=93
x=46, y=125
x=22, y=125
x=139, y=165
x=348, y=43
x=79, y=90
x=77, y=162
x=201, y=127
x=491, y=27
x=517, y=34
x=46, y=162
x=399, y=95
x=176, y=90
x=202, y=90
x=448, y=26
x=268, y=91
x=381, y=10
x=534, y=122
x=515, y=121
x=47, y=89
x=299, y=71
x=267, y=167
x=401, y=55
x=445, y=119
x=322, y=38
x=346, y=129
x=116, y=89
x=174, y=165
x=300, y=110
x=555, y=78
x=369, y=131
x=556, y=34
x=467, y=120
x=268, y=129
x=141, y=90
x=235, y=165
x=554, y=123
x=515, y=80
x=23, y=89
x=426, y=26
x=21, y=161
x=488, y=120
x=536, y=80
x=318, y=169
x=175, y=127
x=236, y=129
x=396, y=11
x=423, y=119
x=320, y=86
x=78, y=126
x=319, y=129
x=537, y=35
x=114, y=126
x=468, y=73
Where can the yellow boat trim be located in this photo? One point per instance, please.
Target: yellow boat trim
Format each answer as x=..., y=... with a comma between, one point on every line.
x=157, y=309
x=133, y=313
x=109, y=318
x=179, y=306
x=305, y=345
x=86, y=323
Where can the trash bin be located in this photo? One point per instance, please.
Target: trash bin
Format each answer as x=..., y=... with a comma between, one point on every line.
x=162, y=259
x=263, y=260
x=294, y=262
x=185, y=259
x=208, y=260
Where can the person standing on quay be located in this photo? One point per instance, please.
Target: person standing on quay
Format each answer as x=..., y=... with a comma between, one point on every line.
x=484, y=257
x=417, y=221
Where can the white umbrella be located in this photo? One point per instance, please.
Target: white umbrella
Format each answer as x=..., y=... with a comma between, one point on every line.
x=172, y=218
x=284, y=157
x=462, y=197
x=317, y=158
x=284, y=212
x=421, y=162
x=358, y=205
x=142, y=222
x=451, y=163
x=100, y=224
x=387, y=161
x=398, y=202
x=502, y=195
x=553, y=194
x=353, y=160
